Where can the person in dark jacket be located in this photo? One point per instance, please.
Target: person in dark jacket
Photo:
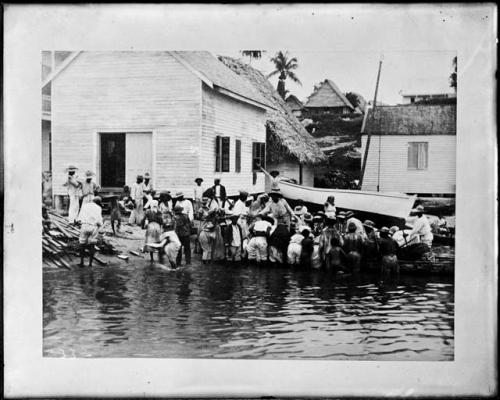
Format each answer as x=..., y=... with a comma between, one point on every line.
x=307, y=249
x=218, y=191
x=183, y=231
x=388, y=249
x=233, y=239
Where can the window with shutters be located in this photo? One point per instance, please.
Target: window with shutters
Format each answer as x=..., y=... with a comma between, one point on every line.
x=418, y=155
x=258, y=156
x=222, y=152
x=237, y=163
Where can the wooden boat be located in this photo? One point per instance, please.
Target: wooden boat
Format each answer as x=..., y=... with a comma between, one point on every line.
x=395, y=205
x=438, y=266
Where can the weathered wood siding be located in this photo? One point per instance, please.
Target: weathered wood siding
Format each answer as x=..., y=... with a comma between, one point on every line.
x=127, y=92
x=45, y=146
x=227, y=117
x=290, y=169
x=438, y=178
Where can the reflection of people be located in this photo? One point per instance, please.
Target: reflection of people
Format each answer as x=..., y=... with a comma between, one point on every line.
x=74, y=192
x=90, y=218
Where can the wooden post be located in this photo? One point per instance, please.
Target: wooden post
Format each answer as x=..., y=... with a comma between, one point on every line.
x=368, y=139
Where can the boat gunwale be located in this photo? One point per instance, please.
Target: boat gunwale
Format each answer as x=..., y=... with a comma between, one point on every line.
x=366, y=193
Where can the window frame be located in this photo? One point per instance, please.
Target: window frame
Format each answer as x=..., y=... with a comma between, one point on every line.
x=237, y=155
x=222, y=160
x=261, y=146
x=418, y=166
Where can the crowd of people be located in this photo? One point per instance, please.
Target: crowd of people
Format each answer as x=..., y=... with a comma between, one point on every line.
x=264, y=230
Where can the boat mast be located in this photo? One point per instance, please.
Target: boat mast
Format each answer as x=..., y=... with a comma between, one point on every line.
x=368, y=139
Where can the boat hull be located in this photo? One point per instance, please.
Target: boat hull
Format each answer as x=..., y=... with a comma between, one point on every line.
x=386, y=204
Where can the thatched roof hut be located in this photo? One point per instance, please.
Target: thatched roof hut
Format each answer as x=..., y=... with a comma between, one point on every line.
x=328, y=95
x=286, y=135
x=412, y=120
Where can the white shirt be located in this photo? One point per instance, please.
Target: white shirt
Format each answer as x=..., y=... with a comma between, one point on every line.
x=359, y=226
x=297, y=238
x=261, y=226
x=137, y=191
x=171, y=236
x=217, y=191
x=187, y=208
x=240, y=208
x=236, y=236
x=330, y=210
x=198, y=192
x=422, y=229
x=90, y=214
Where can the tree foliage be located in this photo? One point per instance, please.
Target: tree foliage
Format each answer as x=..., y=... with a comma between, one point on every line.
x=252, y=54
x=353, y=99
x=453, y=75
x=284, y=65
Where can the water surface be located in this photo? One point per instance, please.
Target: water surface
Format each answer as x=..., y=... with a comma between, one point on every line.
x=222, y=311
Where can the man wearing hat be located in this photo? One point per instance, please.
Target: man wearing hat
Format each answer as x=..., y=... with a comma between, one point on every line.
x=240, y=207
x=147, y=188
x=90, y=218
x=74, y=192
x=233, y=239
x=137, y=197
x=198, y=195
x=183, y=231
x=278, y=207
x=89, y=188
x=186, y=205
x=421, y=227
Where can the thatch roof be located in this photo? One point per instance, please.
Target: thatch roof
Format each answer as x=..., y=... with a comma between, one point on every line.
x=412, y=120
x=208, y=65
x=327, y=94
x=287, y=135
x=294, y=103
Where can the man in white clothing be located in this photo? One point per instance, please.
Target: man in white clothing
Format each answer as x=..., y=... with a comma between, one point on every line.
x=90, y=218
x=186, y=205
x=421, y=227
x=74, y=193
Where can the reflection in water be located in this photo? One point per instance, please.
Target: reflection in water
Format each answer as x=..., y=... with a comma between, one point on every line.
x=245, y=312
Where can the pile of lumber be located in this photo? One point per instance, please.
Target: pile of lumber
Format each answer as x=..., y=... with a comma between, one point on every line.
x=60, y=242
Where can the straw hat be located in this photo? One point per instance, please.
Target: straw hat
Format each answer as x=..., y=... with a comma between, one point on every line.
x=89, y=174
x=308, y=217
x=341, y=215
x=419, y=208
x=318, y=218
x=153, y=203
x=349, y=214
x=298, y=210
x=147, y=176
x=179, y=194
x=97, y=200
x=275, y=192
x=198, y=180
x=369, y=224
x=384, y=229
x=71, y=168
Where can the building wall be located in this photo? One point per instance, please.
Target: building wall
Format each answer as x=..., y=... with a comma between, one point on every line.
x=224, y=116
x=291, y=169
x=438, y=178
x=127, y=92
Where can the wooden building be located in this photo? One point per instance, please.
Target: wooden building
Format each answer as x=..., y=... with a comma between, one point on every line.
x=291, y=150
x=295, y=105
x=412, y=149
x=177, y=115
x=327, y=99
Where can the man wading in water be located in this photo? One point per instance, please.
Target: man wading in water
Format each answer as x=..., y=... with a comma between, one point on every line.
x=91, y=220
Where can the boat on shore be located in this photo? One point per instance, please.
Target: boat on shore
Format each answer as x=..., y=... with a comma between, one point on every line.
x=394, y=205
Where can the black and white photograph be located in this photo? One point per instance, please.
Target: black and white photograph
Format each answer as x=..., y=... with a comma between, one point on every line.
x=197, y=207
x=271, y=200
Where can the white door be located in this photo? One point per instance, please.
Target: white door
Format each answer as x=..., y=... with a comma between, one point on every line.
x=138, y=155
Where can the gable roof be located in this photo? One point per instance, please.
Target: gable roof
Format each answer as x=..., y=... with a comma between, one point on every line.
x=288, y=136
x=208, y=69
x=412, y=120
x=327, y=94
x=294, y=103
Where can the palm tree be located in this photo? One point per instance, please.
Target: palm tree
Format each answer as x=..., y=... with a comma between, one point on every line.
x=284, y=66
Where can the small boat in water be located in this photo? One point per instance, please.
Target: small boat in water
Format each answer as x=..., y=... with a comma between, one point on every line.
x=397, y=205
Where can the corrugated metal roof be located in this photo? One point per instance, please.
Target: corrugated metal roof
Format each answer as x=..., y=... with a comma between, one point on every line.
x=327, y=94
x=412, y=120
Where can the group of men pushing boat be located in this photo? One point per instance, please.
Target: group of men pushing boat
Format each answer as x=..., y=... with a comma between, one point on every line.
x=263, y=229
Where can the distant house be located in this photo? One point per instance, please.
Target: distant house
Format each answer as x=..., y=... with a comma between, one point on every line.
x=327, y=99
x=177, y=115
x=291, y=150
x=426, y=89
x=295, y=105
x=415, y=97
x=412, y=150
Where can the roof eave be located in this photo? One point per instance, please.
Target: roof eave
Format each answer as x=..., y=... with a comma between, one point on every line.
x=61, y=67
x=242, y=98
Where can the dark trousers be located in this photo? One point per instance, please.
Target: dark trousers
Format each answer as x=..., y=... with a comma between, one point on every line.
x=186, y=245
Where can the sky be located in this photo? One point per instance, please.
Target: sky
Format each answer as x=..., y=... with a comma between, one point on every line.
x=356, y=71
